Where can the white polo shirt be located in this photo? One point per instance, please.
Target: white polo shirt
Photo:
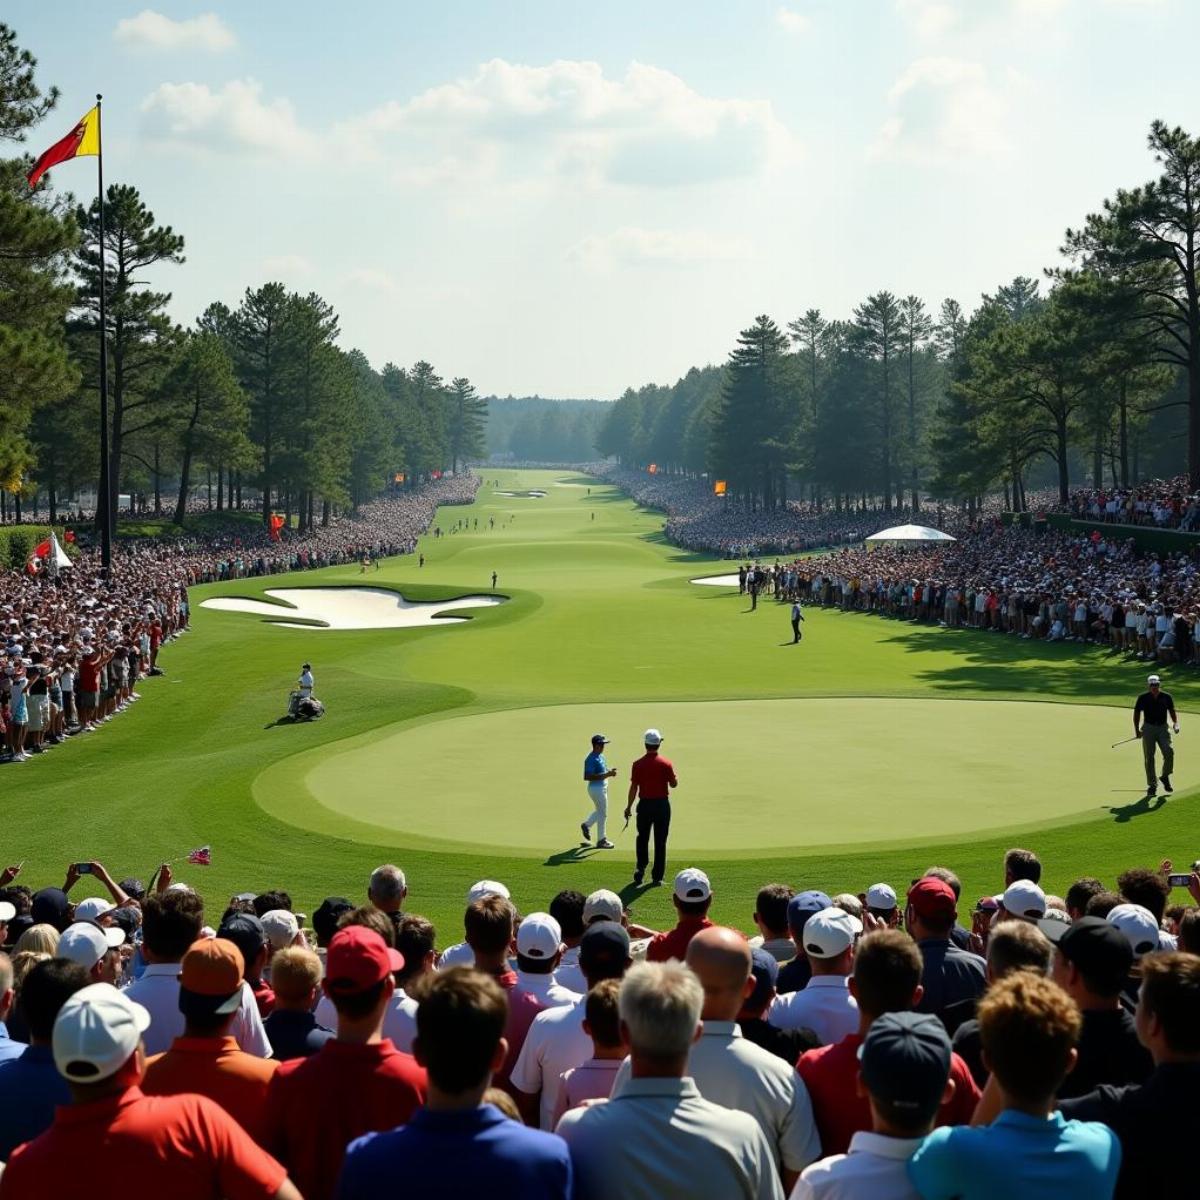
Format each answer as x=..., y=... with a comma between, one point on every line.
x=554, y=1044
x=569, y=973
x=545, y=989
x=458, y=955
x=399, y=1021
x=825, y=1006
x=660, y=1137
x=876, y=1167
x=735, y=1073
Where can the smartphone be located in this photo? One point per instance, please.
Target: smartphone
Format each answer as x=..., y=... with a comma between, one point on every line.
x=83, y=868
x=1178, y=880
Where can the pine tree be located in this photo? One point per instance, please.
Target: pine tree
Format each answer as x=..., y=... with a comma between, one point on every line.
x=466, y=424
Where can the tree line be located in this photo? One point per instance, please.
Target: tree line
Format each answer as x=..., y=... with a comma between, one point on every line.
x=1091, y=374
x=539, y=429
x=259, y=396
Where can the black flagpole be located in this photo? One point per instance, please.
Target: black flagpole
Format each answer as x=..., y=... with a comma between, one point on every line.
x=104, y=499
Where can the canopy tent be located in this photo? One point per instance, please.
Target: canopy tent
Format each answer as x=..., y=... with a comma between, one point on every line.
x=907, y=535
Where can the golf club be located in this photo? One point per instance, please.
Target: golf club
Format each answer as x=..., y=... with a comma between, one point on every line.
x=1136, y=738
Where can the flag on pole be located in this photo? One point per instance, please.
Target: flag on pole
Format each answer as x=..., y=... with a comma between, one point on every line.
x=49, y=554
x=275, y=526
x=201, y=857
x=69, y=537
x=83, y=141
x=399, y=478
x=719, y=488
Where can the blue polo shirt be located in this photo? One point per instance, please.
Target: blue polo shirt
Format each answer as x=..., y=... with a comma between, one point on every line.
x=473, y=1153
x=1018, y=1155
x=594, y=764
x=30, y=1090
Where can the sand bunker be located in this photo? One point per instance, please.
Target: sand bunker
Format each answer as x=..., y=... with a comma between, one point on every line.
x=349, y=608
x=533, y=494
x=718, y=580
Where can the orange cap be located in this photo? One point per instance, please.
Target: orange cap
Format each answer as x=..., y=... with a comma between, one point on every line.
x=214, y=969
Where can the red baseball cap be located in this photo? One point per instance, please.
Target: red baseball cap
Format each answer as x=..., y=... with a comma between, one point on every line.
x=931, y=897
x=357, y=959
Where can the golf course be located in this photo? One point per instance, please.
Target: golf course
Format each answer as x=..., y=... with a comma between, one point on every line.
x=453, y=744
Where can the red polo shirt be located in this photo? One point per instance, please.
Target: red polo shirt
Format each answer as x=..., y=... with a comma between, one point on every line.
x=182, y=1147
x=654, y=775
x=830, y=1074
x=674, y=943
x=317, y=1106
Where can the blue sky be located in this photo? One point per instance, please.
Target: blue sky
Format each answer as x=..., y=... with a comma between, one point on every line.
x=570, y=198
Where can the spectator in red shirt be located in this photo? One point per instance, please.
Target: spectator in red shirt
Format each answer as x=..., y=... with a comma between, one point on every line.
x=355, y=1084
x=184, y=1147
x=692, y=898
x=651, y=779
x=886, y=979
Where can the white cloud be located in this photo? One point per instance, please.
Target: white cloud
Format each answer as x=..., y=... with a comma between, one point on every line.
x=371, y=279
x=150, y=30
x=236, y=117
x=631, y=246
x=288, y=268
x=791, y=20
x=930, y=18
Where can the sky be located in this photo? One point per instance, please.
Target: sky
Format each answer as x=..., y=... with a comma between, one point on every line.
x=566, y=199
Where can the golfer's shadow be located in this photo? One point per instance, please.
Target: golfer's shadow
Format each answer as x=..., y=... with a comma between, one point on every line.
x=1144, y=805
x=574, y=855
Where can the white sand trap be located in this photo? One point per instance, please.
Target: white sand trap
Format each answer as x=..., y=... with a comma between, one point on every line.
x=349, y=608
x=532, y=494
x=718, y=580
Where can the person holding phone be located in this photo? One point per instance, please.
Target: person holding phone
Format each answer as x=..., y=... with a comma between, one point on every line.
x=1150, y=713
x=597, y=773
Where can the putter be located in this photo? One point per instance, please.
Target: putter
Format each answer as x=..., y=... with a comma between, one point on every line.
x=1126, y=741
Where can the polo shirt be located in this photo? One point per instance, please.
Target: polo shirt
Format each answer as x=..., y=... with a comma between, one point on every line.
x=1109, y=1053
x=875, y=1167
x=794, y=975
x=9, y=1049
x=831, y=1074
x=1154, y=709
x=1156, y=1152
x=554, y=1044
x=594, y=764
x=660, y=1137
x=317, y=1106
x=674, y=943
x=296, y=1034
x=570, y=974
x=781, y=949
x=30, y=1090
x=184, y=1147
x=654, y=776
x=216, y=1068
x=476, y=1152
x=592, y=1080
x=825, y=1006
x=948, y=975
x=1035, y=1158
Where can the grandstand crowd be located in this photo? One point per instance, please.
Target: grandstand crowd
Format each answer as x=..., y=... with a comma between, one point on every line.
x=74, y=644
x=1159, y=503
x=885, y=1042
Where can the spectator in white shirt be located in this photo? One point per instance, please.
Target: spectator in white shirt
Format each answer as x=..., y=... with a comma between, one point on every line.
x=905, y=1075
x=825, y=1006
x=460, y=954
x=415, y=938
x=658, y=1136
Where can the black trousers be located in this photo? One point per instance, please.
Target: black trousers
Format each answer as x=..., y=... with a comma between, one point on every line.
x=653, y=816
x=795, y=629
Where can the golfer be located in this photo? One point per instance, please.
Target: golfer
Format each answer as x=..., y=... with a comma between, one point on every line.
x=305, y=682
x=1153, y=707
x=597, y=773
x=797, y=617
x=652, y=776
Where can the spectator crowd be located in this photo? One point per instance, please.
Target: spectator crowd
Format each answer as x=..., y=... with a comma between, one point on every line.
x=882, y=1042
x=1157, y=503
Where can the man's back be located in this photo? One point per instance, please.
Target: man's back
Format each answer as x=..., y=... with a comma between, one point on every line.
x=1109, y=1053
x=554, y=1044
x=654, y=776
x=30, y=1090
x=949, y=976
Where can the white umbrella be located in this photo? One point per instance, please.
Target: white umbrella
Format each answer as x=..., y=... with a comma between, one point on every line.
x=908, y=535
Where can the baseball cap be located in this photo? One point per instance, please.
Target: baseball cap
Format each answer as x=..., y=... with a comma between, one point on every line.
x=830, y=932
x=881, y=895
x=1100, y=950
x=280, y=926
x=599, y=737
x=210, y=978
x=539, y=936
x=1153, y=679
x=96, y=1032
x=652, y=737
x=802, y=906
x=485, y=888
x=7, y=911
x=49, y=906
x=692, y=886
x=246, y=932
x=603, y=904
x=932, y=898
x=92, y=907
x=86, y=943
x=905, y=1061
x=133, y=887
x=1138, y=925
x=765, y=971
x=1023, y=898
x=1054, y=925
x=604, y=945
x=325, y=919
x=358, y=959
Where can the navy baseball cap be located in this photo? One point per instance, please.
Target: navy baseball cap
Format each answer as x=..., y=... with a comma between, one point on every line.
x=765, y=970
x=905, y=1061
x=604, y=945
x=599, y=738
x=246, y=932
x=803, y=905
x=325, y=919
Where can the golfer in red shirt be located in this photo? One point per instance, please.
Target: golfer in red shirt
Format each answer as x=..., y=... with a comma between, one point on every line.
x=651, y=777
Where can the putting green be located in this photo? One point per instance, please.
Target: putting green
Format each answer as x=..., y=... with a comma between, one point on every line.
x=756, y=775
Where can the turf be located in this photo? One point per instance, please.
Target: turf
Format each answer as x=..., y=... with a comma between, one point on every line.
x=456, y=750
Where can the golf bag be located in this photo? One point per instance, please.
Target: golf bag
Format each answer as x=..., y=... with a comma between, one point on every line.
x=301, y=709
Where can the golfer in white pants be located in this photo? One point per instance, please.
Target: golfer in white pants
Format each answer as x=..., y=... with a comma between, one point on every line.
x=597, y=774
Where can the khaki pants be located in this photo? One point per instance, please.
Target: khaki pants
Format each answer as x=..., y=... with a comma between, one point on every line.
x=1152, y=736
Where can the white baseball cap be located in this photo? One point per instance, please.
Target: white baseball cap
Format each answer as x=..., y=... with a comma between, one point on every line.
x=86, y=943
x=484, y=888
x=652, y=737
x=92, y=907
x=7, y=911
x=881, y=895
x=1138, y=925
x=830, y=932
x=1023, y=898
x=539, y=936
x=603, y=904
x=1153, y=679
x=96, y=1032
x=692, y=886
x=281, y=927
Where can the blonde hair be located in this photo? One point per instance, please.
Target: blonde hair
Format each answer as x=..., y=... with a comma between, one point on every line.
x=42, y=939
x=295, y=971
x=23, y=962
x=660, y=1004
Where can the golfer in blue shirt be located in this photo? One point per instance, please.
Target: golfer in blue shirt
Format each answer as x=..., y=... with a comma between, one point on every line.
x=597, y=773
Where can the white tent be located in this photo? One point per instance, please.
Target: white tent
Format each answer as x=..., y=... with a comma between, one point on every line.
x=907, y=535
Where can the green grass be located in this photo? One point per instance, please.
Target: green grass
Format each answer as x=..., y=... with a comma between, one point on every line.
x=456, y=751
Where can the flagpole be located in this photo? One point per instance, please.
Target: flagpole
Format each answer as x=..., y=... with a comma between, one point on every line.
x=104, y=497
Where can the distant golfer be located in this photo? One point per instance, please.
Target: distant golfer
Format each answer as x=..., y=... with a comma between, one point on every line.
x=1153, y=707
x=494, y=581
x=652, y=776
x=797, y=617
x=597, y=773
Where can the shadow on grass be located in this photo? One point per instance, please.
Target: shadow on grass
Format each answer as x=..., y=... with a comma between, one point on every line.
x=576, y=854
x=634, y=891
x=1143, y=806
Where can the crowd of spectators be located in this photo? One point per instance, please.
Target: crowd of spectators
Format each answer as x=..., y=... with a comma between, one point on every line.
x=74, y=644
x=1158, y=503
x=882, y=1042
